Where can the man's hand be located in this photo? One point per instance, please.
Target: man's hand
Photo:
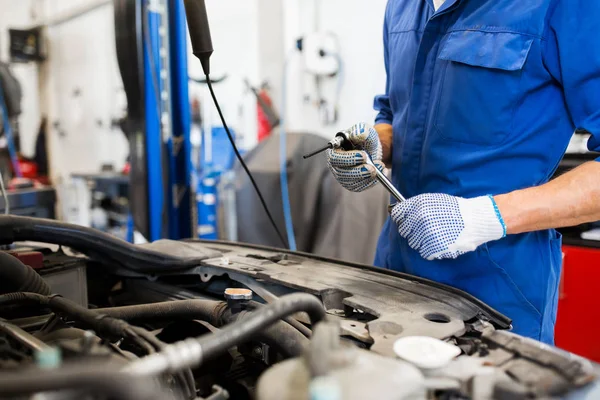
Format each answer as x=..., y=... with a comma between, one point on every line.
x=440, y=226
x=349, y=167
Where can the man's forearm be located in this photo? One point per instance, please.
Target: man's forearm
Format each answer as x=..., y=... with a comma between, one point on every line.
x=571, y=199
x=386, y=139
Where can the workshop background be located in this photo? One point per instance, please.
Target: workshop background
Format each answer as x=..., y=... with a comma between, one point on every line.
x=306, y=69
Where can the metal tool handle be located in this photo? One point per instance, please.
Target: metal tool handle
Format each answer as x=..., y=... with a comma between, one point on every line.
x=385, y=181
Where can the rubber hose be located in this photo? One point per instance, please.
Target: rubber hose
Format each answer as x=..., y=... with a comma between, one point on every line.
x=18, y=277
x=192, y=352
x=306, y=331
x=90, y=242
x=114, y=385
x=259, y=320
x=96, y=321
x=207, y=310
x=281, y=336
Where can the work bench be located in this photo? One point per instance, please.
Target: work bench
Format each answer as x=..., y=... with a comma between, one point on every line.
x=31, y=202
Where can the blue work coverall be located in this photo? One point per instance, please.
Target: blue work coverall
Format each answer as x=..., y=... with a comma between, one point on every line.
x=484, y=96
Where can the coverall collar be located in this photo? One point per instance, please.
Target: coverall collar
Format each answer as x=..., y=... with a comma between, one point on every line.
x=447, y=4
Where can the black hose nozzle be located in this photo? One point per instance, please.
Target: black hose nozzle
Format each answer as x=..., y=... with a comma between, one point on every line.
x=314, y=153
x=197, y=20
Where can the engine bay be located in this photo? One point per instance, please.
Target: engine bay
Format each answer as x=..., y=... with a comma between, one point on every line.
x=85, y=315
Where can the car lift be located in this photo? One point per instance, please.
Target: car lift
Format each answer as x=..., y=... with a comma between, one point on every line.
x=151, y=40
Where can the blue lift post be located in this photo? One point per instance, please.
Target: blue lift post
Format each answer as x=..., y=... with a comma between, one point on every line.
x=167, y=117
x=152, y=93
x=181, y=221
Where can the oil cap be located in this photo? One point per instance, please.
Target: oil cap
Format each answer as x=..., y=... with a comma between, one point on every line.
x=237, y=298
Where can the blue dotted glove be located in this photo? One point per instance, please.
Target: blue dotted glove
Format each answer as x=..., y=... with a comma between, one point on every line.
x=440, y=226
x=349, y=167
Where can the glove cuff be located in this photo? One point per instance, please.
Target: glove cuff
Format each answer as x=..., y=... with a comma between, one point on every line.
x=482, y=219
x=498, y=215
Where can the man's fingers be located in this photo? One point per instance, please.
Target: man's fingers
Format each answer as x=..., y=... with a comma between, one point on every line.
x=344, y=159
x=380, y=165
x=361, y=185
x=352, y=174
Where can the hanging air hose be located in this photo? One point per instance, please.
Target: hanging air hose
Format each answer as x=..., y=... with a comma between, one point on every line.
x=283, y=178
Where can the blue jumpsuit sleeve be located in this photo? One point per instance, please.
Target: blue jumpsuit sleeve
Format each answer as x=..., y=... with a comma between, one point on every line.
x=572, y=55
x=382, y=102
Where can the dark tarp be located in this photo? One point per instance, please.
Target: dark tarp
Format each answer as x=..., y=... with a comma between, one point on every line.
x=328, y=220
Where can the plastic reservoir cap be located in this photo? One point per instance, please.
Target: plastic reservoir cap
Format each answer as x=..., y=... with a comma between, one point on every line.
x=425, y=352
x=48, y=358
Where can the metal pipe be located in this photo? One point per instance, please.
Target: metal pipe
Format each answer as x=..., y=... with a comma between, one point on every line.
x=385, y=181
x=22, y=337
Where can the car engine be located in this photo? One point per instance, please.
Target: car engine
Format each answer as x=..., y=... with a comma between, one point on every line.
x=86, y=316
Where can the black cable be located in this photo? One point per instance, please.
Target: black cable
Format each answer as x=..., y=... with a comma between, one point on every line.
x=241, y=160
x=102, y=324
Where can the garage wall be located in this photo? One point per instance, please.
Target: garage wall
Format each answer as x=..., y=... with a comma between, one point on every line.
x=78, y=87
x=234, y=32
x=253, y=38
x=359, y=26
x=82, y=91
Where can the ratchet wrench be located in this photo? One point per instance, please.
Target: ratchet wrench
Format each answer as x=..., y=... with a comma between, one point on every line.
x=341, y=141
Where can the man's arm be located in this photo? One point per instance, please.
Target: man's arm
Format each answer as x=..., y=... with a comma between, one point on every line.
x=383, y=121
x=571, y=199
x=385, y=137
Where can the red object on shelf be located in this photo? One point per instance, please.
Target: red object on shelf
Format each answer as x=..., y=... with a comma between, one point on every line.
x=578, y=323
x=34, y=259
x=29, y=169
x=264, y=126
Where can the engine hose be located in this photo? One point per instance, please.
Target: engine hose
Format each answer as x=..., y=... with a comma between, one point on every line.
x=281, y=336
x=114, y=385
x=91, y=242
x=306, y=331
x=18, y=277
x=207, y=310
x=185, y=378
x=193, y=352
x=100, y=323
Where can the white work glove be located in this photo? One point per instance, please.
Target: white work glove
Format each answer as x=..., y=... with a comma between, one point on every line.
x=440, y=226
x=349, y=167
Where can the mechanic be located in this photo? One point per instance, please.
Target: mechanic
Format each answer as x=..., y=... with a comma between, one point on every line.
x=482, y=98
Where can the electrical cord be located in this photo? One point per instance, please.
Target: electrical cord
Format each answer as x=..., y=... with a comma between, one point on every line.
x=283, y=178
x=241, y=160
